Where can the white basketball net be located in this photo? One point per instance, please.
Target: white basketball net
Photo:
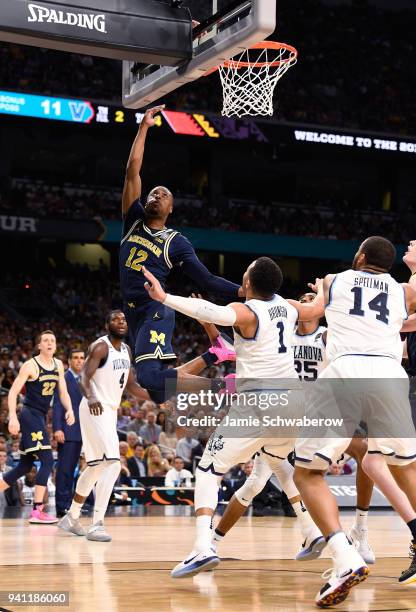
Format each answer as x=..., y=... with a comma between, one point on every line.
x=248, y=89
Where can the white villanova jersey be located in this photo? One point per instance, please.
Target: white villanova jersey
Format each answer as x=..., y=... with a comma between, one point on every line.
x=309, y=353
x=267, y=356
x=109, y=381
x=365, y=314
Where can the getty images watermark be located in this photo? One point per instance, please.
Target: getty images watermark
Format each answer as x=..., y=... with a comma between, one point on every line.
x=256, y=403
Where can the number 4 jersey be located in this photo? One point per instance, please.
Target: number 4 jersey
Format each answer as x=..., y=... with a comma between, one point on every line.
x=110, y=378
x=309, y=353
x=365, y=313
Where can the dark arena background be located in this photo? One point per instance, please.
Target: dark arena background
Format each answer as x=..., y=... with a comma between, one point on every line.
x=332, y=165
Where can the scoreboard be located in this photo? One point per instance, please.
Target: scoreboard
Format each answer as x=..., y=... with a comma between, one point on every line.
x=208, y=126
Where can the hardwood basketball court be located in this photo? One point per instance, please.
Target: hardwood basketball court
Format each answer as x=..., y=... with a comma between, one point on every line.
x=132, y=572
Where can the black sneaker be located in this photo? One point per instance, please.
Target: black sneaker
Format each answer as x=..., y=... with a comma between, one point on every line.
x=409, y=575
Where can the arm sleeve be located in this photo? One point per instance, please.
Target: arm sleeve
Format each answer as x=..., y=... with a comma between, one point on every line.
x=58, y=413
x=181, y=253
x=202, y=310
x=134, y=213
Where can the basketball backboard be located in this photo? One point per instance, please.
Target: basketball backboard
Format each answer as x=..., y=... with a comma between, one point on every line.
x=226, y=28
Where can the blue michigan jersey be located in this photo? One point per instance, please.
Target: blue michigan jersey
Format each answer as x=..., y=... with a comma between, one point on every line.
x=39, y=393
x=150, y=323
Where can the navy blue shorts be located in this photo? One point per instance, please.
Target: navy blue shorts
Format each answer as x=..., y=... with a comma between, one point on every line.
x=150, y=330
x=33, y=428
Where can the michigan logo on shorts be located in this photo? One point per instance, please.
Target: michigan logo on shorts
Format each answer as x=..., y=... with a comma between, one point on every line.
x=156, y=338
x=36, y=435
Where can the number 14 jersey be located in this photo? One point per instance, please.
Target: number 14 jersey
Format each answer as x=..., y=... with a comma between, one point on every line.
x=365, y=313
x=110, y=378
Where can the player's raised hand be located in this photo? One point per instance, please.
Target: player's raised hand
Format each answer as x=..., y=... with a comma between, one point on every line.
x=149, y=115
x=14, y=426
x=153, y=287
x=70, y=417
x=316, y=285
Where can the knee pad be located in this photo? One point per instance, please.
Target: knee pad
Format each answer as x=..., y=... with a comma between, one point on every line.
x=88, y=478
x=254, y=485
x=159, y=380
x=206, y=489
x=284, y=472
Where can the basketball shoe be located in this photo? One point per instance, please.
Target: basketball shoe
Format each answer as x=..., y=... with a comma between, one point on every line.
x=196, y=562
x=359, y=536
x=409, y=575
x=311, y=548
x=223, y=349
x=345, y=575
x=38, y=515
x=97, y=533
x=71, y=525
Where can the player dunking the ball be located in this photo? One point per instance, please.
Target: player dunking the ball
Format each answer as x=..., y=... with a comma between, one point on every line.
x=147, y=241
x=40, y=375
x=105, y=375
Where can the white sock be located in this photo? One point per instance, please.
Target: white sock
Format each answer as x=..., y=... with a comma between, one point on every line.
x=104, y=488
x=307, y=527
x=361, y=519
x=75, y=509
x=217, y=537
x=339, y=548
x=203, y=532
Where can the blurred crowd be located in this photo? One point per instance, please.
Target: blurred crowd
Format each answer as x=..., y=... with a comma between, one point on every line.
x=355, y=69
x=332, y=218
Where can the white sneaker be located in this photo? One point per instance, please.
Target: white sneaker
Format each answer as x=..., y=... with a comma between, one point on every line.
x=71, y=525
x=196, y=562
x=97, y=533
x=341, y=580
x=359, y=536
x=311, y=548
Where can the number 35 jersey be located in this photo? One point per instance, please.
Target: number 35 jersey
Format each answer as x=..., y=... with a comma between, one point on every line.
x=365, y=313
x=309, y=353
x=110, y=378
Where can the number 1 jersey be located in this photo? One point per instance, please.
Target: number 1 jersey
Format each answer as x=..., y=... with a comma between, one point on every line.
x=268, y=355
x=110, y=378
x=365, y=313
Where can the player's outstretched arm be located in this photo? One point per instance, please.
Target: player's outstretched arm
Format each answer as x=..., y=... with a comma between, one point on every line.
x=64, y=395
x=210, y=329
x=98, y=354
x=181, y=252
x=132, y=182
x=28, y=370
x=233, y=315
x=315, y=309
